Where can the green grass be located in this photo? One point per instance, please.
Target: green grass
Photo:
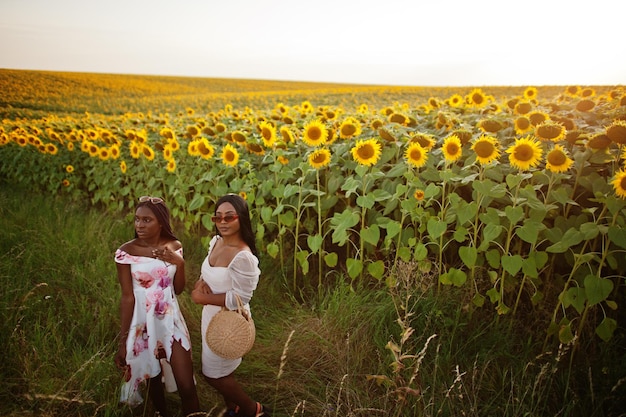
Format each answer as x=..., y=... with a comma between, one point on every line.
x=316, y=355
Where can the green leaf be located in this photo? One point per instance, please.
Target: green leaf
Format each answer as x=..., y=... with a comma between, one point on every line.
x=366, y=201
x=355, y=267
x=478, y=300
x=371, y=234
x=315, y=242
x=376, y=269
x=404, y=253
x=575, y=297
x=490, y=233
x=570, y=238
x=468, y=255
x=393, y=228
x=606, y=329
x=493, y=257
x=514, y=214
x=529, y=231
x=618, y=236
x=465, y=212
x=512, y=264
x=196, y=202
x=420, y=252
x=303, y=259
x=288, y=218
x=436, y=228
x=266, y=214
x=331, y=259
x=454, y=277
x=597, y=289
x=273, y=249
x=494, y=295
x=565, y=334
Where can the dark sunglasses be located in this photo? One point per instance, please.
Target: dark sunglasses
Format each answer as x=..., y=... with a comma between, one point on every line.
x=153, y=200
x=228, y=218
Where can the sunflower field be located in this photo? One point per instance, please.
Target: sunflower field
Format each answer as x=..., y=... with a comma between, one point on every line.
x=514, y=197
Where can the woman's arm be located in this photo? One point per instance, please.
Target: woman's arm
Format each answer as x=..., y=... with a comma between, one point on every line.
x=202, y=294
x=127, y=305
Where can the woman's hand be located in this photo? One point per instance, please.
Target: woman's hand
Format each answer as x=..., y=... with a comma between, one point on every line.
x=169, y=256
x=200, y=291
x=120, y=361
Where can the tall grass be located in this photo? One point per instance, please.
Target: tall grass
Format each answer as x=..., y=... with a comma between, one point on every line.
x=394, y=350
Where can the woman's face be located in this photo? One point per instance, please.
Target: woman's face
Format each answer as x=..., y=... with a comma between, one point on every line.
x=146, y=224
x=224, y=212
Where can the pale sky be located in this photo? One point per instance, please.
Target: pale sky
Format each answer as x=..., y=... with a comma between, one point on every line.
x=392, y=42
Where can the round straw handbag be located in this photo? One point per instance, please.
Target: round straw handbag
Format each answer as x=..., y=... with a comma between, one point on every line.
x=230, y=333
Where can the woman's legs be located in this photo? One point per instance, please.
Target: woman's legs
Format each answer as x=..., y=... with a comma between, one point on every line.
x=182, y=368
x=156, y=393
x=233, y=393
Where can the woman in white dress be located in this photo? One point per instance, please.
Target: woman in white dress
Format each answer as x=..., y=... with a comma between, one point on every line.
x=154, y=342
x=230, y=268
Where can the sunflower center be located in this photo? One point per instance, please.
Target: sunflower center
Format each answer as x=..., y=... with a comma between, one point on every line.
x=452, y=148
x=548, y=132
x=229, y=156
x=315, y=133
x=267, y=135
x=524, y=153
x=366, y=152
x=484, y=149
x=319, y=158
x=556, y=158
x=348, y=130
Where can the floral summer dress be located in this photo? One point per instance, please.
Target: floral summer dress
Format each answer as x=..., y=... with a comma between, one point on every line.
x=157, y=321
x=240, y=277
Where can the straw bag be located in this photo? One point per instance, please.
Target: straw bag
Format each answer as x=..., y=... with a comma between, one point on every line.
x=230, y=333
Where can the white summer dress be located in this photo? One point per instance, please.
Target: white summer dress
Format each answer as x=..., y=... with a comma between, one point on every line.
x=157, y=321
x=240, y=277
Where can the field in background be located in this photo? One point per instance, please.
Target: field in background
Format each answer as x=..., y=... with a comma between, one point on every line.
x=431, y=249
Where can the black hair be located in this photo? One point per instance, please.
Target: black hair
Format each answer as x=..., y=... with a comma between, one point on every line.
x=245, y=225
x=162, y=213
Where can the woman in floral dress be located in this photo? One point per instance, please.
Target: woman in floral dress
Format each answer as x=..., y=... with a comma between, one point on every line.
x=154, y=342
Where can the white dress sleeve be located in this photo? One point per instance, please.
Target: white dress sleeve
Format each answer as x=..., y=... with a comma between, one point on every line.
x=245, y=272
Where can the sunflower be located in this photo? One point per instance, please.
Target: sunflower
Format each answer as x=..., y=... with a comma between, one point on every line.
x=93, y=150
x=585, y=105
x=619, y=183
x=419, y=195
x=599, y=141
x=486, y=149
x=522, y=107
x=51, y=149
x=141, y=136
x=192, y=131
x=537, y=117
x=398, y=118
x=204, y=149
x=167, y=133
x=104, y=154
x=362, y=109
x=174, y=144
x=167, y=153
x=171, y=165
x=476, y=98
x=525, y=153
x=425, y=140
x=148, y=152
x=557, y=160
x=451, y=148
x=617, y=132
x=255, y=148
x=220, y=127
x=530, y=93
x=350, y=127
x=230, y=156
x=456, y=100
x=572, y=90
x=319, y=158
x=70, y=146
x=115, y=151
x=123, y=167
x=416, y=155
x=366, y=152
x=66, y=183
x=523, y=125
x=238, y=136
x=490, y=125
x=315, y=133
x=282, y=160
x=550, y=130
x=135, y=149
x=287, y=134
x=268, y=134
x=69, y=169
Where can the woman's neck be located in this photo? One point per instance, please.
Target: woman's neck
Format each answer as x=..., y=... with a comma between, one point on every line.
x=232, y=241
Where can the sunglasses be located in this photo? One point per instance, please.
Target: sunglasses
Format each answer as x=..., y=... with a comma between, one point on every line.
x=228, y=218
x=153, y=200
